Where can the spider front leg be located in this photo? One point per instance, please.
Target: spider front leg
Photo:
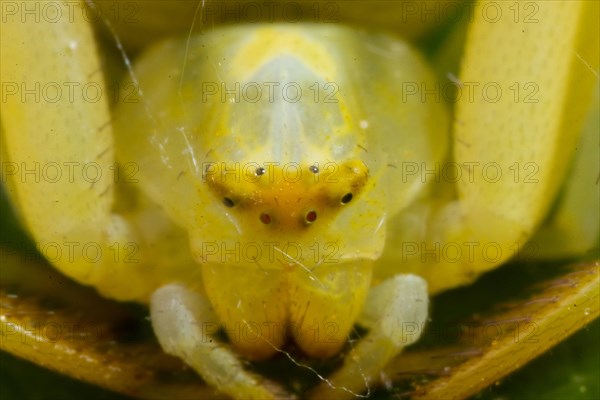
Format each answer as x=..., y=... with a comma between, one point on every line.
x=395, y=313
x=511, y=152
x=58, y=158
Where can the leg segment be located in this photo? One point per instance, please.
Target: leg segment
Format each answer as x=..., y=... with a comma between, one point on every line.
x=57, y=153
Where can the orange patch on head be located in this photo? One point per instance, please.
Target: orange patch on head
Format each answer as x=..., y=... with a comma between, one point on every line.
x=284, y=198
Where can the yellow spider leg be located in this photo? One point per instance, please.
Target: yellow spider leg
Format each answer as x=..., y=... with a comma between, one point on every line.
x=58, y=158
x=513, y=149
x=573, y=229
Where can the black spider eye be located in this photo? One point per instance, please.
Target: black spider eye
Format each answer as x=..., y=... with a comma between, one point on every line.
x=311, y=216
x=260, y=171
x=347, y=198
x=227, y=202
x=265, y=218
x=314, y=169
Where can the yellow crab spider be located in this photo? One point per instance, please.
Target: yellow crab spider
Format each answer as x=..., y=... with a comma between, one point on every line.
x=288, y=172
x=276, y=197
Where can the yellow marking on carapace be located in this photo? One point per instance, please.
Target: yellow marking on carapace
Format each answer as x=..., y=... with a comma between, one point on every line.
x=269, y=43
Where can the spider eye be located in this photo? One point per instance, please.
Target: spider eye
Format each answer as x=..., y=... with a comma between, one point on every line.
x=347, y=198
x=260, y=171
x=265, y=218
x=311, y=216
x=227, y=202
x=314, y=169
